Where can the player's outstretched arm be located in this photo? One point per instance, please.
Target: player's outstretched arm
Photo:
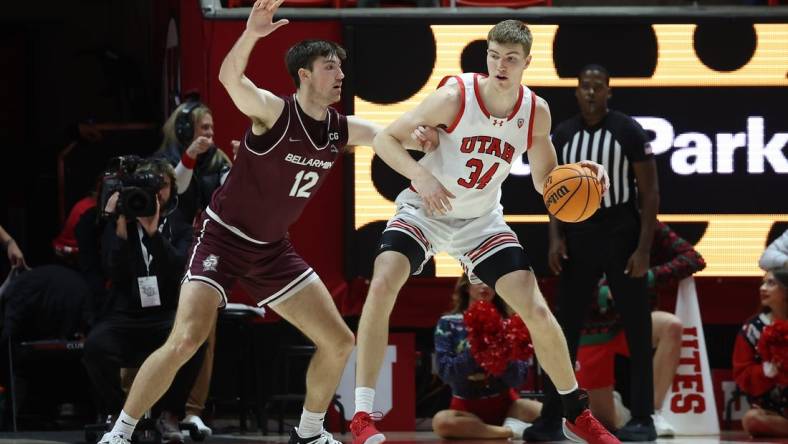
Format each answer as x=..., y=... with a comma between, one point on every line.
x=258, y=104
x=362, y=133
x=439, y=108
x=541, y=155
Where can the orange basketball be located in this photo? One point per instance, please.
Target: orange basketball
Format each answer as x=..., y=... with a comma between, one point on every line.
x=572, y=193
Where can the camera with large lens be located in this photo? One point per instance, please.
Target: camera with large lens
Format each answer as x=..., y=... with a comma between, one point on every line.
x=137, y=189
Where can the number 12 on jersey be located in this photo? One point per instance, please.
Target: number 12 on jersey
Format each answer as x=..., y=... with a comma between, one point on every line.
x=304, y=182
x=477, y=179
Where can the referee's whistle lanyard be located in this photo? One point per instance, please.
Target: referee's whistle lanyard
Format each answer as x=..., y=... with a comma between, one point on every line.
x=147, y=258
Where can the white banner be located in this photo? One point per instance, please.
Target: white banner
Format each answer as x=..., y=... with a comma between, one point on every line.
x=690, y=405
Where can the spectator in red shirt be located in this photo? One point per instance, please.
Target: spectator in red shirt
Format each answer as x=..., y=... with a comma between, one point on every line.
x=65, y=244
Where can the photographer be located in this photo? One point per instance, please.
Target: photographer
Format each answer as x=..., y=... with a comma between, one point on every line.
x=143, y=252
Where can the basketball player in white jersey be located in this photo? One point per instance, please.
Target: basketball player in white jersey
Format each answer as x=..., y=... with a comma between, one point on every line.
x=453, y=205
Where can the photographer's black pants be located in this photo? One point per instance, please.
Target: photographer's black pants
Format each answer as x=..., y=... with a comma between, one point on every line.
x=121, y=341
x=603, y=245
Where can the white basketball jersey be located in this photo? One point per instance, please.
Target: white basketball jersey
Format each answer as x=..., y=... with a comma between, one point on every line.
x=476, y=152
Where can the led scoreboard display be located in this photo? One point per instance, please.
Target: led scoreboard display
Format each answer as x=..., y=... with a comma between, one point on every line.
x=712, y=97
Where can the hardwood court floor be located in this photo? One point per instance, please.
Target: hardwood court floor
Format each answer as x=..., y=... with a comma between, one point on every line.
x=726, y=437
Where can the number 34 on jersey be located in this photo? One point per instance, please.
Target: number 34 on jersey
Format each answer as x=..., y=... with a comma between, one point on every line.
x=479, y=177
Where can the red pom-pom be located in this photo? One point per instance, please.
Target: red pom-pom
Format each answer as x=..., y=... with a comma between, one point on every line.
x=485, y=337
x=519, y=337
x=773, y=346
x=494, y=342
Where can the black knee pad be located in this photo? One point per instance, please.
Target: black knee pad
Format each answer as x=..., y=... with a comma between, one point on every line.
x=393, y=240
x=501, y=263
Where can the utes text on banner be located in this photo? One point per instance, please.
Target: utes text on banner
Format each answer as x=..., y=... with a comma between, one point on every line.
x=690, y=405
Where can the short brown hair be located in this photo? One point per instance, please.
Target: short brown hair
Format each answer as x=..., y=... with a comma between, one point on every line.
x=304, y=53
x=512, y=31
x=161, y=168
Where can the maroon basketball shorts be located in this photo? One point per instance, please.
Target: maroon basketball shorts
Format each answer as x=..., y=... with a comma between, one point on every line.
x=270, y=273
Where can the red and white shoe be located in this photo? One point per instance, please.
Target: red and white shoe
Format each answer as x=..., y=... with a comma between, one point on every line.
x=588, y=429
x=363, y=428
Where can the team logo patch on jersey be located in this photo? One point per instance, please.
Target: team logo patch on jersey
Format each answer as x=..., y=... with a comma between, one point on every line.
x=520, y=122
x=210, y=263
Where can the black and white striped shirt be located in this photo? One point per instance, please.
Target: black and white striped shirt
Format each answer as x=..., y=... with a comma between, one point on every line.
x=616, y=142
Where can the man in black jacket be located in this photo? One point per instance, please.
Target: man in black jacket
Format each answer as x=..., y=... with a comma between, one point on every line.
x=144, y=260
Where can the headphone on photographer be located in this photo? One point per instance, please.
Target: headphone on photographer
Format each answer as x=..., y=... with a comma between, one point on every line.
x=184, y=121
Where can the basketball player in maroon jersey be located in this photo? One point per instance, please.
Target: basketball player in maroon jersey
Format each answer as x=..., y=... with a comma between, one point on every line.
x=284, y=158
x=461, y=214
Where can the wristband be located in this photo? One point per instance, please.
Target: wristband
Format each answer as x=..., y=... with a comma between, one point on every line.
x=187, y=161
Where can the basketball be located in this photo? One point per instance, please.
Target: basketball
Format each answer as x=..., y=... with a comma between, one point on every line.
x=572, y=193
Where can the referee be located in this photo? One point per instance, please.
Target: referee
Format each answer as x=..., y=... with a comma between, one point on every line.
x=615, y=242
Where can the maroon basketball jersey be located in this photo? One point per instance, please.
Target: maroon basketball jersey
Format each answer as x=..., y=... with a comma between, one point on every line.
x=275, y=174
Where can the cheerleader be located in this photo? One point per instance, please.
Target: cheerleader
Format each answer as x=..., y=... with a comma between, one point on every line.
x=482, y=406
x=769, y=415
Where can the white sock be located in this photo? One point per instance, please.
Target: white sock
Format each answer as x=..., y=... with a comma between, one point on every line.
x=124, y=426
x=516, y=426
x=365, y=397
x=566, y=392
x=311, y=424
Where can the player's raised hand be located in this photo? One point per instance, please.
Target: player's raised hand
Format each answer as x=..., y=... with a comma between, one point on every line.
x=426, y=137
x=600, y=173
x=260, y=22
x=435, y=196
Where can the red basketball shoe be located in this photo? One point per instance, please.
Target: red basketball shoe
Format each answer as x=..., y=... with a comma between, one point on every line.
x=586, y=428
x=363, y=428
